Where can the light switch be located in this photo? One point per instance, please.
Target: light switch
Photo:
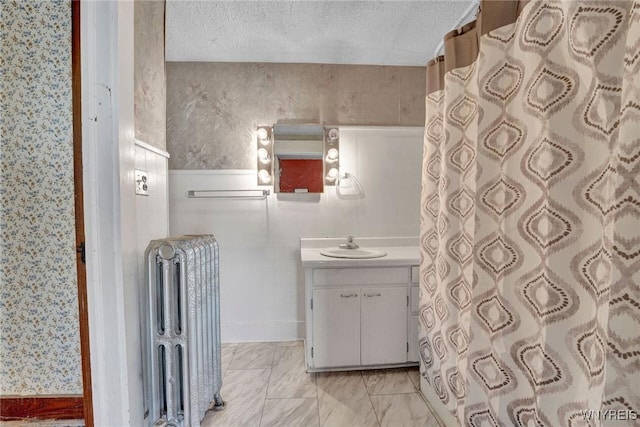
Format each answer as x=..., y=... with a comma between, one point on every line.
x=142, y=183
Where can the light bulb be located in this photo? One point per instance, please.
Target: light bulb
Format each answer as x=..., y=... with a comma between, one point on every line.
x=332, y=174
x=333, y=135
x=264, y=176
x=263, y=155
x=263, y=136
x=332, y=154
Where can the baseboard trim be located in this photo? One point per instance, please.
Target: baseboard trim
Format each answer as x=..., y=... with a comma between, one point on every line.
x=41, y=407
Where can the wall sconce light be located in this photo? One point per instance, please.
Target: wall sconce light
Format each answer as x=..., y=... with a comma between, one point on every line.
x=264, y=144
x=331, y=155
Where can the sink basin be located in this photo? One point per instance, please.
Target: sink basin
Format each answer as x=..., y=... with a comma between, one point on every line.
x=352, y=253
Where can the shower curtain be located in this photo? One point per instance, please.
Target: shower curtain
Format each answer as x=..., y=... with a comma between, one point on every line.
x=530, y=216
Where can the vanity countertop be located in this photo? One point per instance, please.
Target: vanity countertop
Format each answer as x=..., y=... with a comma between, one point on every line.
x=400, y=251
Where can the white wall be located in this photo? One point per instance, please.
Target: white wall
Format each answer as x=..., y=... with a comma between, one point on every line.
x=117, y=220
x=152, y=211
x=123, y=96
x=108, y=160
x=262, y=288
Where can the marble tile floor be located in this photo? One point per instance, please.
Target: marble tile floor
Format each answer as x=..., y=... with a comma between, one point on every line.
x=265, y=384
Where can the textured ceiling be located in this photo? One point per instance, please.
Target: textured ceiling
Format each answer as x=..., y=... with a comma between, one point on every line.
x=328, y=32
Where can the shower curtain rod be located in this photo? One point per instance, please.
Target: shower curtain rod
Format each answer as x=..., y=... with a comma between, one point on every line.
x=473, y=7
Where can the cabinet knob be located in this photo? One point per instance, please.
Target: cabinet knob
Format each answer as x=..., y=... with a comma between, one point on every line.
x=372, y=295
x=348, y=295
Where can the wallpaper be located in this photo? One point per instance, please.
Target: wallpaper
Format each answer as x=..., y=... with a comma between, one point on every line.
x=39, y=347
x=214, y=108
x=149, y=75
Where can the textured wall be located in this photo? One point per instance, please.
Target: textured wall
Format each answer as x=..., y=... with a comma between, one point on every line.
x=40, y=350
x=149, y=74
x=213, y=108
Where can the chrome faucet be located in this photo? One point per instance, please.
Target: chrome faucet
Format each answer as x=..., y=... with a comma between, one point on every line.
x=350, y=244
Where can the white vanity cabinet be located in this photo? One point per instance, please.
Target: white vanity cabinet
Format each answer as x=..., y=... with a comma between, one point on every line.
x=336, y=327
x=358, y=317
x=383, y=326
x=414, y=303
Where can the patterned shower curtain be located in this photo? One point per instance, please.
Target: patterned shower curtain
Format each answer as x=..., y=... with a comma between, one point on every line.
x=530, y=220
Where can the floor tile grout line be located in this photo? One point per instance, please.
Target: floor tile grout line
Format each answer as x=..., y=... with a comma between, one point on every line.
x=229, y=368
x=370, y=401
x=317, y=399
x=433, y=412
x=266, y=392
x=393, y=394
x=289, y=398
x=249, y=369
x=264, y=401
x=235, y=351
x=295, y=366
x=408, y=380
x=273, y=358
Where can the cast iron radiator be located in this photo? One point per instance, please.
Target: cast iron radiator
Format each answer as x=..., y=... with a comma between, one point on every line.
x=181, y=331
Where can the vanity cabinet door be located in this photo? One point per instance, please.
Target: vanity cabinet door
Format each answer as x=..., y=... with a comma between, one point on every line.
x=413, y=339
x=384, y=325
x=336, y=327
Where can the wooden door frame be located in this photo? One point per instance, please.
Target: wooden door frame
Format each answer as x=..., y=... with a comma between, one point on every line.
x=83, y=313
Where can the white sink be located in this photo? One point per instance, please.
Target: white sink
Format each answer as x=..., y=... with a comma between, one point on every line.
x=352, y=253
